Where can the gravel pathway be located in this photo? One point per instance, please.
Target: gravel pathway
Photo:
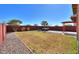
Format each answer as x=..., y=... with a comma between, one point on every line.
x=12, y=45
x=74, y=34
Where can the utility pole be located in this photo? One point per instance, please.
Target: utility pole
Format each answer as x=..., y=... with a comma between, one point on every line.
x=77, y=20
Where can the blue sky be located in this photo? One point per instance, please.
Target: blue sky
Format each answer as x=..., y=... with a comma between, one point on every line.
x=35, y=13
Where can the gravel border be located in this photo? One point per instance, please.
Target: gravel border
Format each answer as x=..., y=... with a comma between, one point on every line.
x=12, y=45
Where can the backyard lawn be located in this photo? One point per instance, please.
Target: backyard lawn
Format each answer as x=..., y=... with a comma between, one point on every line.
x=43, y=42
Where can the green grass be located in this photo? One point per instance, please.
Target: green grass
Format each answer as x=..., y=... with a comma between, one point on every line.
x=43, y=42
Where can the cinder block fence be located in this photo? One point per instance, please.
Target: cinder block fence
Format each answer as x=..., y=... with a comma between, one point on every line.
x=2, y=32
x=53, y=28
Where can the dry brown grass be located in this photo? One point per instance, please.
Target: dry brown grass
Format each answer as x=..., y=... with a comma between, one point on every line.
x=43, y=42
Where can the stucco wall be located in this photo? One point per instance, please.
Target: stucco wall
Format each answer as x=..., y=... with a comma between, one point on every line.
x=2, y=32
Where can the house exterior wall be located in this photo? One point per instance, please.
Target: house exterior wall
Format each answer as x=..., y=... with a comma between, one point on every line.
x=2, y=32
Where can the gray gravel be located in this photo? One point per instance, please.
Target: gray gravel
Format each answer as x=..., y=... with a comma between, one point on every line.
x=74, y=34
x=12, y=45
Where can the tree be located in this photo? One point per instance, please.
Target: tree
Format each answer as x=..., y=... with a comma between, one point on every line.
x=28, y=25
x=14, y=23
x=35, y=24
x=44, y=23
x=56, y=25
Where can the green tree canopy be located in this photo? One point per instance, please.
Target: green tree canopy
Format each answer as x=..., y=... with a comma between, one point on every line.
x=14, y=22
x=35, y=24
x=44, y=23
x=28, y=25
